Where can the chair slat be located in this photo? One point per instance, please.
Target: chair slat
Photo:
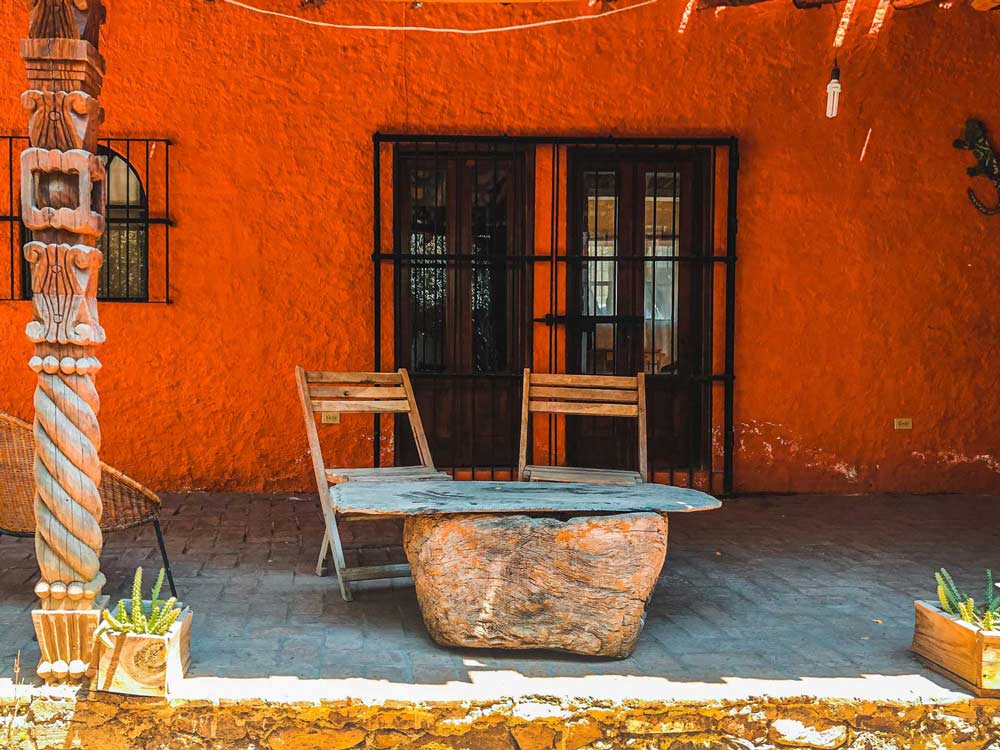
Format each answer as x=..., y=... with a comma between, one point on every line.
x=538, y=393
x=584, y=381
x=583, y=395
x=387, y=392
x=579, y=407
x=586, y=476
x=386, y=473
x=373, y=572
x=359, y=378
x=360, y=407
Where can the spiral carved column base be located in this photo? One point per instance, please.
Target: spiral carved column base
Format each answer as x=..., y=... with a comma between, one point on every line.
x=62, y=203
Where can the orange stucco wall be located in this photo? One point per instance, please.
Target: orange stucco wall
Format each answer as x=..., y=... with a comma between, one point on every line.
x=867, y=289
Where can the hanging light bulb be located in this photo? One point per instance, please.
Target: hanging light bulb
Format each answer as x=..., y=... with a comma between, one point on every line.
x=833, y=89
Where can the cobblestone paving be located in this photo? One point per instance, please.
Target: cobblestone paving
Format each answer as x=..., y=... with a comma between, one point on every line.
x=766, y=588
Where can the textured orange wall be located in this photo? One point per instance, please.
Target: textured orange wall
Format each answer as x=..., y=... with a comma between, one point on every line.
x=867, y=290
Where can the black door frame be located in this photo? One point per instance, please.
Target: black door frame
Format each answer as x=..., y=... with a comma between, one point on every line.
x=718, y=376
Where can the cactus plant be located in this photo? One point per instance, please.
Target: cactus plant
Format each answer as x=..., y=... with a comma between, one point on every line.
x=162, y=614
x=957, y=604
x=13, y=719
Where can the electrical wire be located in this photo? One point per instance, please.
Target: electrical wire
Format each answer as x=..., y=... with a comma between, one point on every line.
x=440, y=29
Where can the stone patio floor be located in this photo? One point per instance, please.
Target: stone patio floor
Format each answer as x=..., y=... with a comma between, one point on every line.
x=776, y=595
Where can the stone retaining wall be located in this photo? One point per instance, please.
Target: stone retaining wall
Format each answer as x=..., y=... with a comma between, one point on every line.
x=107, y=722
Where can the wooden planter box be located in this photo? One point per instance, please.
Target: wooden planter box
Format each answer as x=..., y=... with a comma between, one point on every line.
x=958, y=650
x=146, y=664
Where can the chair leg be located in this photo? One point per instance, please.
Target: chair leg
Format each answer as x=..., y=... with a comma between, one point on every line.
x=339, y=564
x=324, y=550
x=163, y=554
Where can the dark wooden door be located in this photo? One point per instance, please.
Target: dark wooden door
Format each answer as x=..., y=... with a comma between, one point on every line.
x=462, y=221
x=636, y=301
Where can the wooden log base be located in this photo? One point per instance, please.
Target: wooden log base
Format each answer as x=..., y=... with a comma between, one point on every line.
x=516, y=582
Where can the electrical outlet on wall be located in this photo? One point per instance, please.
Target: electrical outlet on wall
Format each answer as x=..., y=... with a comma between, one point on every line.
x=331, y=417
x=902, y=423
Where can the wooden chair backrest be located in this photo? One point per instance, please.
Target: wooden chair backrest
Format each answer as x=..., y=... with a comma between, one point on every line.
x=359, y=393
x=585, y=395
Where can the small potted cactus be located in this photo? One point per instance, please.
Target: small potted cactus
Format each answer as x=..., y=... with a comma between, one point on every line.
x=959, y=638
x=145, y=644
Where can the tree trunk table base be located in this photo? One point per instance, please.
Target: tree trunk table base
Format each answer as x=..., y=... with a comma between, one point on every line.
x=517, y=582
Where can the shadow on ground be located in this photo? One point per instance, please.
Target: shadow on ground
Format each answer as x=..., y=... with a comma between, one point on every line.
x=768, y=588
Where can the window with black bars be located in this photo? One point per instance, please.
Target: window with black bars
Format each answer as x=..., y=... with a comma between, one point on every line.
x=136, y=240
x=601, y=256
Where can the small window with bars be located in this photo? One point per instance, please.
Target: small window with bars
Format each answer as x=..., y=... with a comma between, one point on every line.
x=125, y=242
x=136, y=240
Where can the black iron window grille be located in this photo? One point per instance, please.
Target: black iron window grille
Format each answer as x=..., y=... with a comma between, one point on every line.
x=136, y=240
x=587, y=255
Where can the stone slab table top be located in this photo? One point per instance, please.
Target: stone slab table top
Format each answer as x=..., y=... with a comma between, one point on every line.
x=433, y=498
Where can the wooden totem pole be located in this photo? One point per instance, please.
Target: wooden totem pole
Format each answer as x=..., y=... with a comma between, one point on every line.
x=62, y=203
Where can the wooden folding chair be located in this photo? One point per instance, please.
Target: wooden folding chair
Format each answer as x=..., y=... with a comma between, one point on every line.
x=365, y=393
x=586, y=395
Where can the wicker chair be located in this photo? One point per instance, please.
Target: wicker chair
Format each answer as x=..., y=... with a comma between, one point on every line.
x=126, y=502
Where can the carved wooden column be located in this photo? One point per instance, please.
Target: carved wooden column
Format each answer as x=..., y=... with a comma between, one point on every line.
x=62, y=196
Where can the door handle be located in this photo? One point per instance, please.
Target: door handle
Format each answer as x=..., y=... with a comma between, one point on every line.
x=550, y=319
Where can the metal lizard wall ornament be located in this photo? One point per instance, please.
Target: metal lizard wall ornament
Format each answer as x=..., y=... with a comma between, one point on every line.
x=987, y=164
